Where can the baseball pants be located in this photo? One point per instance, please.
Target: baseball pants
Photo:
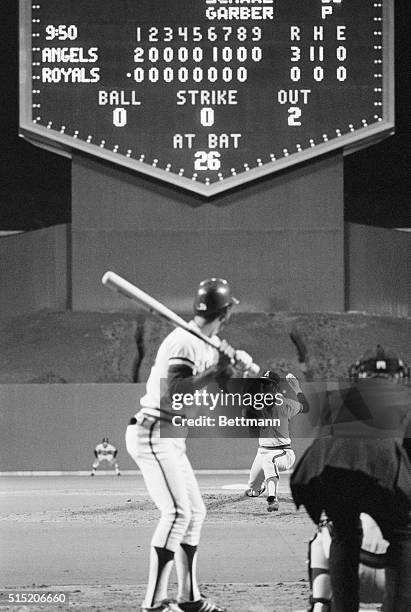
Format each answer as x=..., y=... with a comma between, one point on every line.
x=110, y=460
x=170, y=482
x=268, y=463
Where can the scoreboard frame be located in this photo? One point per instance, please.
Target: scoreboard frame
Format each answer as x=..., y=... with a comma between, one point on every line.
x=67, y=145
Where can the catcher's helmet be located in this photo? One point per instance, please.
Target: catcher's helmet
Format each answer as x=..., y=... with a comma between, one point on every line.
x=213, y=298
x=379, y=363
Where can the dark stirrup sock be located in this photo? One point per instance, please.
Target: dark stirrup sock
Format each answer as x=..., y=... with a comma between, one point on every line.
x=190, y=552
x=162, y=571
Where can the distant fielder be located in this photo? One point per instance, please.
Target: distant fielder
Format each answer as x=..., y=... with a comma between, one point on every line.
x=105, y=452
x=274, y=453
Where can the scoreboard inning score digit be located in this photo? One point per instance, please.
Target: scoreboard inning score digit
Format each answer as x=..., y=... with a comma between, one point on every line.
x=206, y=94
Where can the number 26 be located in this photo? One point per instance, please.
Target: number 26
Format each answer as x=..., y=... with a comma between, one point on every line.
x=207, y=160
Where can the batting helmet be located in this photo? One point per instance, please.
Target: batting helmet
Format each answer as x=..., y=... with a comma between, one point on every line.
x=213, y=298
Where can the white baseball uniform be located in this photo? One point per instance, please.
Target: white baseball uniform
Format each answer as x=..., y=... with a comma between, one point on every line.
x=166, y=470
x=105, y=452
x=274, y=452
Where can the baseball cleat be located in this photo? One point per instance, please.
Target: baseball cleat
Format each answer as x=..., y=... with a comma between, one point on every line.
x=272, y=504
x=166, y=605
x=202, y=605
x=253, y=493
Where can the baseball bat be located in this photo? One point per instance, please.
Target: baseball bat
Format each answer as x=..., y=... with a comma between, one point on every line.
x=130, y=291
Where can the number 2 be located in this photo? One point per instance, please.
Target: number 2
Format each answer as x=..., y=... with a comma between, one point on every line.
x=294, y=113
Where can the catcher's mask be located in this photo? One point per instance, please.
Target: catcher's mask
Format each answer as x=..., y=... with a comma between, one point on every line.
x=213, y=299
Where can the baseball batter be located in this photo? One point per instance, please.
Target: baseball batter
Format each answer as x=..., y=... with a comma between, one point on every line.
x=105, y=452
x=183, y=364
x=274, y=452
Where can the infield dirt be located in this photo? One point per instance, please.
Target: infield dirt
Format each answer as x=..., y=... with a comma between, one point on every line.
x=90, y=538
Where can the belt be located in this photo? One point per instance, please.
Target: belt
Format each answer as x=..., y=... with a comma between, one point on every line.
x=145, y=419
x=285, y=446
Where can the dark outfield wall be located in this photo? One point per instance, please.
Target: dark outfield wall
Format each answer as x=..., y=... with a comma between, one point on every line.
x=56, y=427
x=279, y=241
x=34, y=271
x=378, y=270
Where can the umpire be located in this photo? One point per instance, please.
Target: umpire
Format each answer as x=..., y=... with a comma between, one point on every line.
x=359, y=464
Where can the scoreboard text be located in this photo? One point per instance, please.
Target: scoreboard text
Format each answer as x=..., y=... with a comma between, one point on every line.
x=206, y=94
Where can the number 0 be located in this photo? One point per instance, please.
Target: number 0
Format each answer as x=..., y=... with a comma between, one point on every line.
x=119, y=117
x=207, y=116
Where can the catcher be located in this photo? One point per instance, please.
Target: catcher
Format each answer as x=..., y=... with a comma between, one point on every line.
x=371, y=573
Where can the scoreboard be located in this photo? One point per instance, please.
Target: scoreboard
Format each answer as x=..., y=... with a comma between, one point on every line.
x=206, y=94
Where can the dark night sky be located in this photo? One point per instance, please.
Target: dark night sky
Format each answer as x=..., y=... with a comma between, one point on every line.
x=35, y=184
